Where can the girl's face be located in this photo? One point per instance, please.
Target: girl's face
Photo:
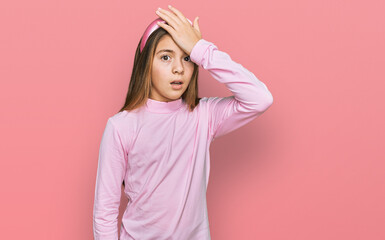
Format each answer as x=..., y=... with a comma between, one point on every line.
x=170, y=63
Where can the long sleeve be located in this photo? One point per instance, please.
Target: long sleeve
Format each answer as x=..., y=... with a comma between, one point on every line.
x=112, y=163
x=250, y=96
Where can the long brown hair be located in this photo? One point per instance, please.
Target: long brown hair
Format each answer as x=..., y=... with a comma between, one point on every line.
x=140, y=84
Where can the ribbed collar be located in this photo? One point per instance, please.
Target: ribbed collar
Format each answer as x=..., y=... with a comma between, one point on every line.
x=163, y=107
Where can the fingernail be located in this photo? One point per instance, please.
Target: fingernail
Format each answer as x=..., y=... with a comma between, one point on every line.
x=169, y=6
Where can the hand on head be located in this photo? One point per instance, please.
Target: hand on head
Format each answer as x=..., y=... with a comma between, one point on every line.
x=181, y=29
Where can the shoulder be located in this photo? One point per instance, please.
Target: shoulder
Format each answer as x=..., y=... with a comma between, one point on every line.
x=212, y=101
x=116, y=118
x=124, y=124
x=207, y=100
x=123, y=121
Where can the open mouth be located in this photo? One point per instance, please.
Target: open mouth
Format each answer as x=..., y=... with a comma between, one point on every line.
x=176, y=83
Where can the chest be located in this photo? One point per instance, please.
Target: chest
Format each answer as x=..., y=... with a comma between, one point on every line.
x=164, y=140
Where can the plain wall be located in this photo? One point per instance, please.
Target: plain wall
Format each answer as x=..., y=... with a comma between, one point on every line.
x=311, y=167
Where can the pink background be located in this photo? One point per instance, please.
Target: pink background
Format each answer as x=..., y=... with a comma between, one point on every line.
x=311, y=167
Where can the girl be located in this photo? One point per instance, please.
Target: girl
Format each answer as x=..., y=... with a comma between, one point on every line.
x=157, y=145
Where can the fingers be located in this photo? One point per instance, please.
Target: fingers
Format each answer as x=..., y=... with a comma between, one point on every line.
x=166, y=27
x=178, y=13
x=168, y=17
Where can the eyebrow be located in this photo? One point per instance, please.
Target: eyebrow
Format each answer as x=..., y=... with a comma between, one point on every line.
x=166, y=50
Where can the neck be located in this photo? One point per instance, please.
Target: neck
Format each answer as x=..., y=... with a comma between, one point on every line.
x=163, y=107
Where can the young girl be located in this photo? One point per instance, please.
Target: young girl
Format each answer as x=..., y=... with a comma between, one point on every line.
x=157, y=145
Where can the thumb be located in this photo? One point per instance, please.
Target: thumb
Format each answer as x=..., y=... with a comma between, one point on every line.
x=196, y=26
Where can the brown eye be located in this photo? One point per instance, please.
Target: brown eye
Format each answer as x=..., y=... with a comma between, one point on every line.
x=164, y=56
x=189, y=60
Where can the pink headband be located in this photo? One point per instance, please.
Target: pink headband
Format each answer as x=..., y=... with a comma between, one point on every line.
x=151, y=28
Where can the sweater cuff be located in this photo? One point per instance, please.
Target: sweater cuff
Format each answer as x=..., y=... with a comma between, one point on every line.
x=199, y=50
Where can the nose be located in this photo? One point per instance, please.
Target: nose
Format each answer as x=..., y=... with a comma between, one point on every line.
x=178, y=67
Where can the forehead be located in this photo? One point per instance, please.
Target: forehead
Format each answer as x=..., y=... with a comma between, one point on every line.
x=166, y=42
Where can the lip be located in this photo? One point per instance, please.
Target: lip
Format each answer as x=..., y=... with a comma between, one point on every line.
x=176, y=86
x=179, y=80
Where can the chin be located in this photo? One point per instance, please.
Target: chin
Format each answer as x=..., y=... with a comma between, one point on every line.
x=175, y=97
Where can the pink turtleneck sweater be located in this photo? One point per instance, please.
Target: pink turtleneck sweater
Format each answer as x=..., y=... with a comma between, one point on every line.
x=161, y=152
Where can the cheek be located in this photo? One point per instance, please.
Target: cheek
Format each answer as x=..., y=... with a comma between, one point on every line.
x=157, y=75
x=190, y=71
x=155, y=70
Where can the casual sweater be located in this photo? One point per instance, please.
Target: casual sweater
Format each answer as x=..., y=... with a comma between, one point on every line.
x=161, y=152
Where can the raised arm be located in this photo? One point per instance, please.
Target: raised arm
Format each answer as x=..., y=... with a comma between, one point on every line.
x=251, y=96
x=110, y=174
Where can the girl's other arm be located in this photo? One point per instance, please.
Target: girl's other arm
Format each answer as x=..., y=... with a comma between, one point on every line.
x=251, y=96
x=110, y=175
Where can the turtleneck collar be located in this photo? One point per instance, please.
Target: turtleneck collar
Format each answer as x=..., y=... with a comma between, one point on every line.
x=163, y=107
